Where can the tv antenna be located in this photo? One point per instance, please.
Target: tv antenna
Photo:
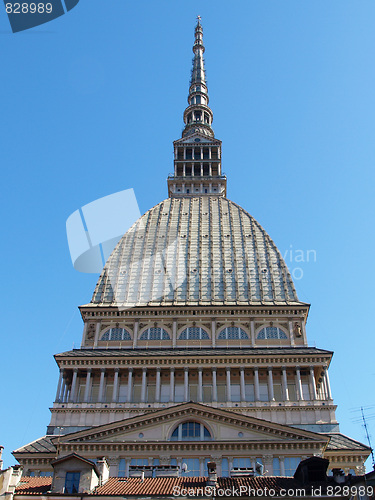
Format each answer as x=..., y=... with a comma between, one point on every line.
x=368, y=437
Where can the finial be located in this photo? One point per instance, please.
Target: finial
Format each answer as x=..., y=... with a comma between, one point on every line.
x=199, y=19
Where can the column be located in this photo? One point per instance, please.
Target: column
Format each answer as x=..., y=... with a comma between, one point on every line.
x=65, y=392
x=252, y=333
x=229, y=389
x=242, y=384
x=201, y=467
x=144, y=385
x=87, y=386
x=200, y=385
x=328, y=385
x=129, y=397
x=135, y=333
x=313, y=384
x=282, y=466
x=74, y=385
x=102, y=385
x=115, y=386
x=158, y=385
x=58, y=391
x=270, y=385
x=171, y=385
x=256, y=384
x=299, y=384
x=214, y=384
x=213, y=332
x=291, y=333
x=84, y=333
x=186, y=384
x=174, y=333
x=304, y=333
x=285, y=385
x=97, y=333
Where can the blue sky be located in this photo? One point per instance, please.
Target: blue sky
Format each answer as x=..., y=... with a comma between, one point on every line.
x=91, y=103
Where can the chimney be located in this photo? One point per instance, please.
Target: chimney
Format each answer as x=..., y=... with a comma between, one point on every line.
x=212, y=474
x=1, y=462
x=103, y=468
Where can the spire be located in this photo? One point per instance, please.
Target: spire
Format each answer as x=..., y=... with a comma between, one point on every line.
x=197, y=155
x=198, y=116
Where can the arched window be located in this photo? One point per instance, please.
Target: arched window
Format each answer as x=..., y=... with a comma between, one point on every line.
x=193, y=333
x=191, y=431
x=155, y=333
x=116, y=334
x=232, y=333
x=271, y=332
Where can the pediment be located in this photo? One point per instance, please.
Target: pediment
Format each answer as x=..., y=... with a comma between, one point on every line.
x=223, y=425
x=202, y=139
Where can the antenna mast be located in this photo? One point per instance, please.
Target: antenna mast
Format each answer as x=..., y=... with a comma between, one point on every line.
x=368, y=437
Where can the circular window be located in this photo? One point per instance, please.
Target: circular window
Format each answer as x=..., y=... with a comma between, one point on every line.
x=140, y=435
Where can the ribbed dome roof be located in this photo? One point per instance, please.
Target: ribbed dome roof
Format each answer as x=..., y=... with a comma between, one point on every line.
x=195, y=251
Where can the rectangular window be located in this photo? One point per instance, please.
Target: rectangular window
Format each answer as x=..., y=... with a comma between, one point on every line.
x=137, y=389
x=278, y=392
x=179, y=393
x=207, y=393
x=306, y=391
x=249, y=392
x=193, y=392
x=94, y=393
x=224, y=467
x=276, y=467
x=72, y=482
x=121, y=468
x=292, y=392
x=236, y=392
x=263, y=392
x=242, y=462
x=123, y=393
x=108, y=393
x=193, y=467
x=221, y=392
x=164, y=393
x=151, y=391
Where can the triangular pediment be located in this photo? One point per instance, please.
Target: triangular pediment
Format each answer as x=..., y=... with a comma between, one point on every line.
x=202, y=139
x=223, y=425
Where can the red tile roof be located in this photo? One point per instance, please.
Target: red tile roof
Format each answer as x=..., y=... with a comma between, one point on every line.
x=33, y=485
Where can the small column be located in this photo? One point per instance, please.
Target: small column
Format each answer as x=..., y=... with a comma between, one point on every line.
x=186, y=384
x=130, y=385
x=84, y=333
x=58, y=391
x=158, y=385
x=270, y=385
x=144, y=385
x=291, y=333
x=229, y=389
x=87, y=386
x=115, y=386
x=282, y=466
x=200, y=385
x=328, y=385
x=101, y=386
x=242, y=384
x=299, y=384
x=304, y=333
x=97, y=333
x=174, y=333
x=171, y=384
x=256, y=384
x=214, y=384
x=135, y=333
x=65, y=392
x=285, y=385
x=213, y=332
x=74, y=386
x=201, y=467
x=252, y=333
x=313, y=384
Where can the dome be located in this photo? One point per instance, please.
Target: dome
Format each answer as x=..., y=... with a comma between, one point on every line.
x=203, y=250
